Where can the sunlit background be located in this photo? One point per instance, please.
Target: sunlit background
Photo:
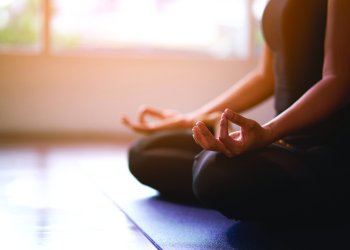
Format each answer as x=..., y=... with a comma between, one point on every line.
x=219, y=28
x=72, y=66
x=182, y=25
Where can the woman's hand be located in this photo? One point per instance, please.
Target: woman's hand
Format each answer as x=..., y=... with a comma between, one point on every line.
x=249, y=137
x=151, y=120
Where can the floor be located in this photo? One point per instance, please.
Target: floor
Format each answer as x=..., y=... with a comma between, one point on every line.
x=48, y=200
x=53, y=196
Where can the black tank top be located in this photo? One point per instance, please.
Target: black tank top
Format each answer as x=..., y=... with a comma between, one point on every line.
x=295, y=32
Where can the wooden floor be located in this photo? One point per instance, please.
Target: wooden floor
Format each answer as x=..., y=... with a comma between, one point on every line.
x=47, y=201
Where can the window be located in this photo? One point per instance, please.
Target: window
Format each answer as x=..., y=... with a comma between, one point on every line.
x=20, y=24
x=219, y=28
x=216, y=27
x=257, y=9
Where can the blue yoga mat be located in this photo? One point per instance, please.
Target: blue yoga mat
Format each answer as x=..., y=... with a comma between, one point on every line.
x=180, y=225
x=174, y=225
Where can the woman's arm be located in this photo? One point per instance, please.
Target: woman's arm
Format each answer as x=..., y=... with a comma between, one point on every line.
x=332, y=92
x=248, y=92
x=325, y=98
x=251, y=90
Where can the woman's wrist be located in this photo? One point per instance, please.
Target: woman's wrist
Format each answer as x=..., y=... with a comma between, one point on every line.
x=210, y=119
x=191, y=118
x=270, y=134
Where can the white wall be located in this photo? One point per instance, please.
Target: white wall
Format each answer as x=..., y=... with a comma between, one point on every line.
x=89, y=94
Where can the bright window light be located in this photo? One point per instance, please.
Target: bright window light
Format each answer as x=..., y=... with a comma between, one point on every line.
x=215, y=27
x=20, y=24
x=257, y=8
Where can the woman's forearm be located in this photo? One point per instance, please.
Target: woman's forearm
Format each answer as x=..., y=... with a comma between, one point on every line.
x=322, y=100
x=248, y=92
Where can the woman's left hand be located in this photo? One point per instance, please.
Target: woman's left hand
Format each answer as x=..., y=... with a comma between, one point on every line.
x=250, y=136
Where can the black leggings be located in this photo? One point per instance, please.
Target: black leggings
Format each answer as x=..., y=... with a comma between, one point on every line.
x=266, y=184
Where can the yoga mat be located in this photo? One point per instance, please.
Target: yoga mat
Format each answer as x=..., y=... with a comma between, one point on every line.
x=168, y=224
x=172, y=225
x=180, y=225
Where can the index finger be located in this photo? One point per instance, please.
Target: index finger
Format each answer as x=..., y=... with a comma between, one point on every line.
x=224, y=136
x=204, y=130
x=141, y=128
x=145, y=110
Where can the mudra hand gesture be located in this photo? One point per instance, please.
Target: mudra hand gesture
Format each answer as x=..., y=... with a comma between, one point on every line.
x=152, y=120
x=250, y=136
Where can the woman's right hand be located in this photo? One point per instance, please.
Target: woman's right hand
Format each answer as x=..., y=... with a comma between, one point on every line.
x=152, y=120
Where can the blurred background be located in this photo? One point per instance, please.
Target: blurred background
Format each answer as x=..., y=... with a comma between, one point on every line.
x=69, y=70
x=75, y=67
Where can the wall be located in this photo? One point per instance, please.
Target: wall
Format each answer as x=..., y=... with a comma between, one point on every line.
x=69, y=94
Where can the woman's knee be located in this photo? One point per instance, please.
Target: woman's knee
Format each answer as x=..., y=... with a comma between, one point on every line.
x=229, y=185
x=208, y=181
x=158, y=149
x=213, y=186
x=135, y=161
x=167, y=170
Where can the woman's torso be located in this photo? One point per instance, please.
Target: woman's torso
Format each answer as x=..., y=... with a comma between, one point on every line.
x=295, y=32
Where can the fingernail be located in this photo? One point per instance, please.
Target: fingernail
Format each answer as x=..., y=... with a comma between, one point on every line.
x=222, y=120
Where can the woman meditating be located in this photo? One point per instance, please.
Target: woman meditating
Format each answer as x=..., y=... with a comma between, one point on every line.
x=295, y=166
